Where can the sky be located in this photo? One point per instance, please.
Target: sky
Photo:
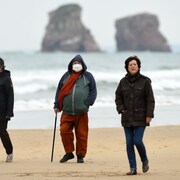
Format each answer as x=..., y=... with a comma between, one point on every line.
x=23, y=22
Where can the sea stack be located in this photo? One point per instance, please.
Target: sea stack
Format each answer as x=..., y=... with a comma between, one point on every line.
x=66, y=32
x=140, y=33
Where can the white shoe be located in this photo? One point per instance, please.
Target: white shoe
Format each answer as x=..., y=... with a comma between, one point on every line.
x=9, y=158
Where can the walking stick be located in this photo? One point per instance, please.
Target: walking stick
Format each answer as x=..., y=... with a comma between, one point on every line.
x=52, y=154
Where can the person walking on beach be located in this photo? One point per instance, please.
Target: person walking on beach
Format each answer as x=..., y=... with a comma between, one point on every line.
x=6, y=109
x=135, y=102
x=76, y=91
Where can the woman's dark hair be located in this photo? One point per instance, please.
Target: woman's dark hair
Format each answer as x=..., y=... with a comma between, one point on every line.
x=130, y=59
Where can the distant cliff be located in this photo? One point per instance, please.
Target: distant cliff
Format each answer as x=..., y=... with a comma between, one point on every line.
x=140, y=33
x=66, y=32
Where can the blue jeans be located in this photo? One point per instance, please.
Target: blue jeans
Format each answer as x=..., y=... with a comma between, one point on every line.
x=134, y=136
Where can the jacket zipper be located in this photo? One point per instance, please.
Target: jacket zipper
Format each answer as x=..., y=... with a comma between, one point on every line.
x=74, y=88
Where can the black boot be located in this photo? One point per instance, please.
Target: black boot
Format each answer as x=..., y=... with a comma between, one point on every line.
x=132, y=172
x=80, y=159
x=145, y=166
x=67, y=157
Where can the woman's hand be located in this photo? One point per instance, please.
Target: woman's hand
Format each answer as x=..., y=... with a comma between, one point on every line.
x=148, y=120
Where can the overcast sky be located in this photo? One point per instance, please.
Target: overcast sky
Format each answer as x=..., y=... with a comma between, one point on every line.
x=23, y=22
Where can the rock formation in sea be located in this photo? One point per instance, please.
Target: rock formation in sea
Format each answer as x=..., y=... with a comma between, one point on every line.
x=66, y=32
x=140, y=33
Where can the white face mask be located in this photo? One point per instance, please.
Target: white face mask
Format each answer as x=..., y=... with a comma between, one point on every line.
x=77, y=67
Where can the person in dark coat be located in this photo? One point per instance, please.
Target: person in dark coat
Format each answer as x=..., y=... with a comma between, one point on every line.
x=76, y=92
x=6, y=109
x=135, y=102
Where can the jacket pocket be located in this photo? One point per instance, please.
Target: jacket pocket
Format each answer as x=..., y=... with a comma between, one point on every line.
x=139, y=114
x=124, y=116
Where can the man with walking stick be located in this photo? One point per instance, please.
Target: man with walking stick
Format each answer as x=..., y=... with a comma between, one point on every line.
x=76, y=91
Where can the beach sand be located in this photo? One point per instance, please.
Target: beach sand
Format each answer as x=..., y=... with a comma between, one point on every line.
x=106, y=157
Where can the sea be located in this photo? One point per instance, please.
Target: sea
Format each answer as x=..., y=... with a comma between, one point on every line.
x=35, y=77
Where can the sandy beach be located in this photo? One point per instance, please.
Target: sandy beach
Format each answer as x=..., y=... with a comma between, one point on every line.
x=106, y=157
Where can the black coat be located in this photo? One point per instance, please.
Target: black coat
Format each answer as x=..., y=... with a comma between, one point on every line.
x=6, y=96
x=135, y=100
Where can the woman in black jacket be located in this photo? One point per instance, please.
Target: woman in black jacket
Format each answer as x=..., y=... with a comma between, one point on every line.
x=135, y=102
x=6, y=109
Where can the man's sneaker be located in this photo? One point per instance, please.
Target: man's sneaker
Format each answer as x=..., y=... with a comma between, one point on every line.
x=67, y=157
x=9, y=158
x=145, y=166
x=80, y=159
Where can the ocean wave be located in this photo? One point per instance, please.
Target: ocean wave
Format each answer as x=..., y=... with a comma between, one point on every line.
x=39, y=79
x=36, y=75
x=33, y=105
x=165, y=85
x=101, y=101
x=34, y=88
x=103, y=86
x=169, y=68
x=33, y=80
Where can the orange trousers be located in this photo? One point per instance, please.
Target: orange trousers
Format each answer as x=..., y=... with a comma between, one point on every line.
x=78, y=123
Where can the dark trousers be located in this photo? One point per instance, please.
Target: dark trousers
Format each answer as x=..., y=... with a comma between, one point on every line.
x=5, y=137
x=134, y=137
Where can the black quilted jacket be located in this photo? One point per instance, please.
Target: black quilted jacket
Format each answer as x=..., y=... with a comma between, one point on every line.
x=135, y=100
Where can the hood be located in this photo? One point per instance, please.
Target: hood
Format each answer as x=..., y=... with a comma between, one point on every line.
x=79, y=58
x=5, y=73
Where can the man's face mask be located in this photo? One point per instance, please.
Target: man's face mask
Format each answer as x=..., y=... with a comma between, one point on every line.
x=77, y=67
